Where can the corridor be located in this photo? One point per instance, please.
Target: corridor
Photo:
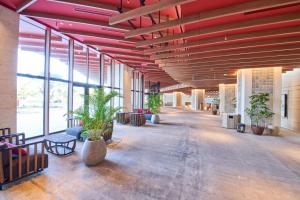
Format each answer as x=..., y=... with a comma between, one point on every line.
x=187, y=156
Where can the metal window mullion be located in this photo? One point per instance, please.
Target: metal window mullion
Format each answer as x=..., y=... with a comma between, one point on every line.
x=101, y=70
x=112, y=78
x=143, y=90
x=70, y=84
x=133, y=85
x=47, y=82
x=87, y=64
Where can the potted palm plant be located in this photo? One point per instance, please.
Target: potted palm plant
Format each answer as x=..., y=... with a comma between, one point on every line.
x=259, y=112
x=97, y=118
x=154, y=104
x=216, y=102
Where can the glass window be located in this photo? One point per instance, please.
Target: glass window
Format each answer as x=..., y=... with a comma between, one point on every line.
x=80, y=73
x=31, y=51
x=59, y=57
x=107, y=71
x=117, y=75
x=117, y=99
x=58, y=106
x=78, y=97
x=30, y=102
x=94, y=67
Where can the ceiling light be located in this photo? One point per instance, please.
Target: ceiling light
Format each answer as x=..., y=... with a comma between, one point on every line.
x=61, y=23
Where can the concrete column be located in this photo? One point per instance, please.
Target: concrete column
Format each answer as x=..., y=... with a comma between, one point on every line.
x=291, y=89
x=259, y=80
x=177, y=99
x=198, y=99
x=9, y=32
x=227, y=94
x=127, y=89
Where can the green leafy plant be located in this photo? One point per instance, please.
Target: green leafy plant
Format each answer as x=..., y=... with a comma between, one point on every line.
x=154, y=103
x=216, y=101
x=259, y=112
x=98, y=115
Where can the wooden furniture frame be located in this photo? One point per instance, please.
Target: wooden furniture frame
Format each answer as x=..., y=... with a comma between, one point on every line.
x=39, y=159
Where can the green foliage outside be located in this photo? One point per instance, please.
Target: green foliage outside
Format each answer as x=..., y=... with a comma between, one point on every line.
x=97, y=116
x=259, y=112
x=154, y=103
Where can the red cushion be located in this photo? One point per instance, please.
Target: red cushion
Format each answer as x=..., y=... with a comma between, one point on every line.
x=140, y=110
x=15, y=151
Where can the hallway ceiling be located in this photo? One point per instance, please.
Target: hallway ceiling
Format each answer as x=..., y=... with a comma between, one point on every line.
x=199, y=42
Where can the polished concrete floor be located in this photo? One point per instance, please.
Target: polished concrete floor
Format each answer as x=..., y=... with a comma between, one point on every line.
x=187, y=156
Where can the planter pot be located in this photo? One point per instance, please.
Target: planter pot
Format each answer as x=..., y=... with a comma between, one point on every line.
x=93, y=152
x=148, y=117
x=215, y=112
x=155, y=119
x=257, y=130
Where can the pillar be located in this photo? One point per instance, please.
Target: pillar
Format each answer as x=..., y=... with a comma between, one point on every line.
x=9, y=33
x=177, y=99
x=260, y=80
x=227, y=96
x=198, y=99
x=127, y=89
x=290, y=104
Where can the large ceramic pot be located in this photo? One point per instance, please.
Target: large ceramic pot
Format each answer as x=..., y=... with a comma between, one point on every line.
x=257, y=130
x=93, y=152
x=155, y=119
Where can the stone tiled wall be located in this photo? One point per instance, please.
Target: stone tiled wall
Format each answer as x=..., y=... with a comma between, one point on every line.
x=9, y=30
x=262, y=80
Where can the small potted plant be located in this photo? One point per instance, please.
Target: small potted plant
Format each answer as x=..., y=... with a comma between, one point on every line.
x=97, y=118
x=154, y=104
x=259, y=112
x=216, y=103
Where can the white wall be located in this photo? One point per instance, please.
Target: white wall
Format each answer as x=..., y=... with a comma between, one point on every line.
x=9, y=31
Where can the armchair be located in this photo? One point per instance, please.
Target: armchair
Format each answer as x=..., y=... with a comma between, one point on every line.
x=19, y=160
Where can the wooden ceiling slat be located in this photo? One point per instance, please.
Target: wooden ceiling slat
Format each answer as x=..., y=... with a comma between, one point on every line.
x=145, y=10
x=96, y=35
x=75, y=20
x=102, y=6
x=230, y=38
x=212, y=14
x=233, y=65
x=278, y=48
x=236, y=58
x=114, y=46
x=228, y=47
x=124, y=54
x=223, y=28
